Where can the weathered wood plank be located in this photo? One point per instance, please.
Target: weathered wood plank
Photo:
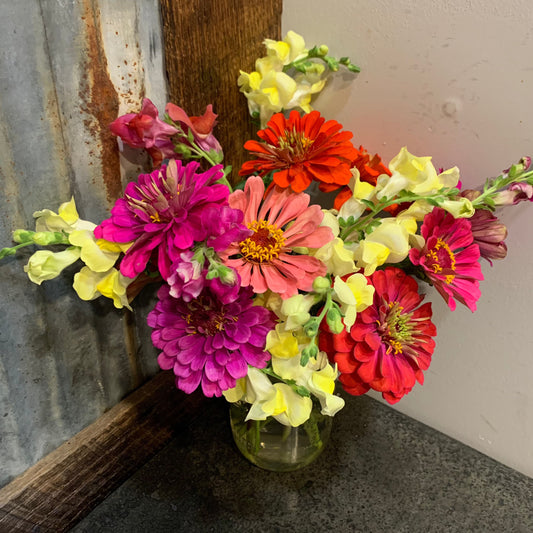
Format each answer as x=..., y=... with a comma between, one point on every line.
x=59, y=490
x=207, y=42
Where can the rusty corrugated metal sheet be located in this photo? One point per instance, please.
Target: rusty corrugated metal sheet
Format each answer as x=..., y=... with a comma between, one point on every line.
x=67, y=68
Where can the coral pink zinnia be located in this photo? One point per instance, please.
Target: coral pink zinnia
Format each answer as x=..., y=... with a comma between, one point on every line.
x=166, y=212
x=449, y=258
x=302, y=149
x=282, y=222
x=390, y=343
x=210, y=340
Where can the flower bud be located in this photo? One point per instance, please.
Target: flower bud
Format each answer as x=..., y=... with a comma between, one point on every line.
x=226, y=275
x=44, y=238
x=321, y=284
x=310, y=351
x=323, y=50
x=311, y=327
x=22, y=236
x=334, y=320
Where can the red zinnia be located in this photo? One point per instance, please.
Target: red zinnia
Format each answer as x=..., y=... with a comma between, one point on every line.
x=449, y=258
x=301, y=149
x=390, y=343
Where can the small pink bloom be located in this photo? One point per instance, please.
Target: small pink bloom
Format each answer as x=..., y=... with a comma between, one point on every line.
x=279, y=224
x=146, y=130
x=449, y=258
x=489, y=234
x=201, y=127
x=514, y=194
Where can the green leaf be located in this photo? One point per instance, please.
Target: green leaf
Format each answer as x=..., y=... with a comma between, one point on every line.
x=368, y=203
x=302, y=391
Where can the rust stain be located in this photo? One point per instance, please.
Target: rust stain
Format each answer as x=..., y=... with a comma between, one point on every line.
x=101, y=101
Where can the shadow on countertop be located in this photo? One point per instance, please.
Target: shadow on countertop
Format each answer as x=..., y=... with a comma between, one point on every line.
x=381, y=472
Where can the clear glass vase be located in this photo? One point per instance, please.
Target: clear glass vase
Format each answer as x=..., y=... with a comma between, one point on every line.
x=276, y=447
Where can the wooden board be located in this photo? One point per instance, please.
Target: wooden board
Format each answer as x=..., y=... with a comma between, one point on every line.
x=207, y=42
x=62, y=488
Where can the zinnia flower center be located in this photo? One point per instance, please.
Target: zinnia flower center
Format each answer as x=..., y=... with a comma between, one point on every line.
x=264, y=244
x=395, y=328
x=441, y=259
x=295, y=144
x=160, y=203
x=204, y=318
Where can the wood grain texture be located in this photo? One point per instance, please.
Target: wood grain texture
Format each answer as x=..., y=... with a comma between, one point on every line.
x=206, y=43
x=63, y=487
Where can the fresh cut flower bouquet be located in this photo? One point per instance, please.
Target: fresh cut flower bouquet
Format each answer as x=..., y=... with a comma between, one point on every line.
x=265, y=297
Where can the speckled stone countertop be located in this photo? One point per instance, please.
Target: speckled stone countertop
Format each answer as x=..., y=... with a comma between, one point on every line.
x=381, y=472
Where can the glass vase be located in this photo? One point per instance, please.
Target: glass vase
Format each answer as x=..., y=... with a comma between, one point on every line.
x=276, y=447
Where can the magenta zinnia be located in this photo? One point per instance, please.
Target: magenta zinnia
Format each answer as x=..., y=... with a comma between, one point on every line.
x=449, y=258
x=166, y=212
x=211, y=340
x=267, y=259
x=390, y=343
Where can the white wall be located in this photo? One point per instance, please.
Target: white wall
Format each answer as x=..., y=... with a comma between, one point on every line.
x=453, y=80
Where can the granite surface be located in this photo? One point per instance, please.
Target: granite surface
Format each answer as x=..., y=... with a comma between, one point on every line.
x=381, y=472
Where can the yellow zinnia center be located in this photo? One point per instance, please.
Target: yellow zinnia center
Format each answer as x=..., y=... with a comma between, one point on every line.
x=440, y=258
x=264, y=244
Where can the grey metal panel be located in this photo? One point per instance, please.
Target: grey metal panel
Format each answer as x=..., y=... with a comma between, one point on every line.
x=63, y=362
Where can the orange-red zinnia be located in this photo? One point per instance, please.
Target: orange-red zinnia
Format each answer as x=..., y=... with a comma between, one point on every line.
x=302, y=149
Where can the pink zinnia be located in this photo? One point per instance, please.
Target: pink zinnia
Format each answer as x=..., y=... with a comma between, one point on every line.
x=211, y=340
x=449, y=258
x=166, y=212
x=390, y=344
x=281, y=223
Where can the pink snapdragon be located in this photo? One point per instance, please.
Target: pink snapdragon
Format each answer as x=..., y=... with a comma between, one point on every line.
x=200, y=127
x=514, y=194
x=146, y=130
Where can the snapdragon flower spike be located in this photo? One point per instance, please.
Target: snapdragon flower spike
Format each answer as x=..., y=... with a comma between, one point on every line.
x=164, y=213
x=210, y=341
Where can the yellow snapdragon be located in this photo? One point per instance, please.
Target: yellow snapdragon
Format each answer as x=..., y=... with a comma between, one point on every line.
x=278, y=400
x=270, y=90
x=414, y=174
x=45, y=265
x=354, y=295
x=389, y=242
x=90, y=284
x=98, y=277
